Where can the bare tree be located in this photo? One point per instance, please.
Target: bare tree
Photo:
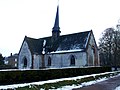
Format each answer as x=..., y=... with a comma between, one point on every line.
x=109, y=47
x=105, y=46
x=116, y=47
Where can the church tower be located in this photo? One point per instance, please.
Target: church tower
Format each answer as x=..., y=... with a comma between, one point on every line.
x=56, y=29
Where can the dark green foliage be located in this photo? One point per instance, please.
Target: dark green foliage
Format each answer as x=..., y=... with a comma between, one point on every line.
x=101, y=76
x=48, y=86
x=1, y=59
x=59, y=84
x=25, y=76
x=6, y=67
x=87, y=79
x=56, y=85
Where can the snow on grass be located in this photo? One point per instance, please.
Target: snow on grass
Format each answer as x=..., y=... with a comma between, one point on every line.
x=58, y=80
x=117, y=88
x=81, y=85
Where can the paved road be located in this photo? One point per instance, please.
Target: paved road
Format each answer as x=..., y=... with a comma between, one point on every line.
x=110, y=84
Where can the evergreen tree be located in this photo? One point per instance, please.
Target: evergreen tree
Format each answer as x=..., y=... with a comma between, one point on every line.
x=1, y=59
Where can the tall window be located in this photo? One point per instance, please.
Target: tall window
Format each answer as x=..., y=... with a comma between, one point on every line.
x=25, y=62
x=49, y=61
x=72, y=61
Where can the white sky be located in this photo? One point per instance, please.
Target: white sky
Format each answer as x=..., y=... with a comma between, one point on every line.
x=35, y=18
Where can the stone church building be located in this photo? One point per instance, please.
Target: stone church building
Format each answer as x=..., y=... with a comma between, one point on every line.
x=59, y=51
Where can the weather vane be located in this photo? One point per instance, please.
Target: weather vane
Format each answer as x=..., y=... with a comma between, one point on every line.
x=58, y=2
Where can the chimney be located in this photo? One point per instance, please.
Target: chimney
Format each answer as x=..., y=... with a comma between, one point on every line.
x=10, y=54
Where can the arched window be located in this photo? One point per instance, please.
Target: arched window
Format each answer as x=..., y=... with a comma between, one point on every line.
x=25, y=62
x=49, y=61
x=93, y=47
x=72, y=61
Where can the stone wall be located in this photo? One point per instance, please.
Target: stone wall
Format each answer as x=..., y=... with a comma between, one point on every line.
x=63, y=60
x=92, y=52
x=24, y=53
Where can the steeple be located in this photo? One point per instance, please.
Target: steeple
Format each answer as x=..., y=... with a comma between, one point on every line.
x=56, y=29
x=56, y=24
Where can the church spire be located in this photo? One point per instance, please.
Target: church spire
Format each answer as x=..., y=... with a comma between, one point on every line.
x=56, y=29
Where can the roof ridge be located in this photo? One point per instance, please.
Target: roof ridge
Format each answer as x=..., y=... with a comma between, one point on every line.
x=30, y=38
x=76, y=33
x=60, y=35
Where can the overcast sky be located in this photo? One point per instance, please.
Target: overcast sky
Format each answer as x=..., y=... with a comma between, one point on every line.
x=35, y=18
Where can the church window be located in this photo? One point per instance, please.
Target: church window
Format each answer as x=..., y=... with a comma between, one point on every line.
x=93, y=49
x=49, y=61
x=72, y=61
x=25, y=62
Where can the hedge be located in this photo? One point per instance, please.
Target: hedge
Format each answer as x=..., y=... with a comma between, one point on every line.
x=25, y=76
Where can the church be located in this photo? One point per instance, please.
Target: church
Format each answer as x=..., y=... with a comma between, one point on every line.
x=75, y=50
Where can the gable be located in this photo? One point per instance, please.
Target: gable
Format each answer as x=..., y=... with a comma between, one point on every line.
x=91, y=41
x=24, y=48
x=36, y=45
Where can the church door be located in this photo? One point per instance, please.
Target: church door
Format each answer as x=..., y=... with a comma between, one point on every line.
x=72, y=61
x=25, y=62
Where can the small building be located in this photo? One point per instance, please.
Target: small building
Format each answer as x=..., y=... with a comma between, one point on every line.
x=12, y=61
x=59, y=51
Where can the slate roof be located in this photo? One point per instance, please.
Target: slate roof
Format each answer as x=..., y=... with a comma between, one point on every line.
x=65, y=42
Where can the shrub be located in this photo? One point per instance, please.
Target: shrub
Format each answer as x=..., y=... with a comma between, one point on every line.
x=25, y=76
